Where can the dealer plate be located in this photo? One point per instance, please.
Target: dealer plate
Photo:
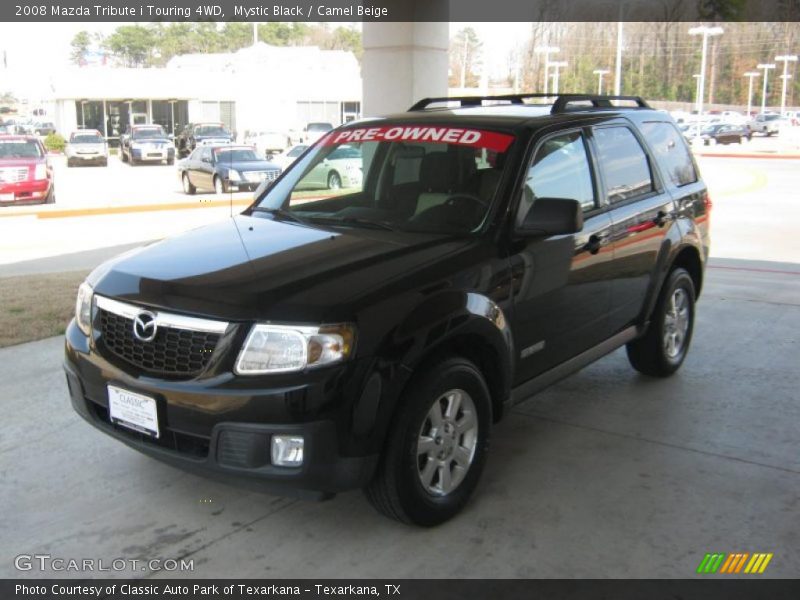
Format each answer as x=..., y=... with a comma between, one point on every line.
x=133, y=411
x=6, y=197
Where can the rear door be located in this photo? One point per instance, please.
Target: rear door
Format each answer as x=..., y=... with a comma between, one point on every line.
x=641, y=209
x=561, y=283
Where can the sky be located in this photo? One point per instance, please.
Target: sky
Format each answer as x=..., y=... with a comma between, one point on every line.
x=36, y=50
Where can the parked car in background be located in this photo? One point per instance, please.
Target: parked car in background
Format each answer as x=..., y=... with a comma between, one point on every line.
x=724, y=133
x=86, y=146
x=268, y=143
x=225, y=168
x=202, y=134
x=25, y=173
x=793, y=117
x=44, y=128
x=313, y=131
x=342, y=168
x=288, y=156
x=767, y=123
x=147, y=143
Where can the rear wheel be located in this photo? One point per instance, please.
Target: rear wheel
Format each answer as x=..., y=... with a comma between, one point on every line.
x=220, y=187
x=661, y=351
x=123, y=157
x=437, y=446
x=188, y=188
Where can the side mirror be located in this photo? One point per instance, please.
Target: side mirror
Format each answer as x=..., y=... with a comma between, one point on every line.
x=553, y=216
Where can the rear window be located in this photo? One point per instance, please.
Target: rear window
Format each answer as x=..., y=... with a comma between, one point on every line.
x=670, y=151
x=210, y=130
x=150, y=132
x=20, y=149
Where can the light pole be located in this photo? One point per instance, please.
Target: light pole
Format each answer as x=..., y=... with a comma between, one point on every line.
x=547, y=51
x=618, y=64
x=557, y=66
x=600, y=73
x=766, y=68
x=750, y=75
x=697, y=122
x=785, y=59
x=706, y=32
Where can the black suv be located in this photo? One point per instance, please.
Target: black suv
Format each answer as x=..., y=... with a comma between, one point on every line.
x=201, y=134
x=369, y=336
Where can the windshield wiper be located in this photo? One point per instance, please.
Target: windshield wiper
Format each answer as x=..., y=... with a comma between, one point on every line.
x=357, y=221
x=282, y=213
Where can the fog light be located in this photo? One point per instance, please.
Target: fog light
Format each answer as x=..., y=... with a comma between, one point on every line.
x=287, y=450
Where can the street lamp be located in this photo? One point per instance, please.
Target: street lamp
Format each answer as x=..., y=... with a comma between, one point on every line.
x=785, y=59
x=600, y=73
x=557, y=66
x=547, y=51
x=750, y=75
x=766, y=68
x=706, y=32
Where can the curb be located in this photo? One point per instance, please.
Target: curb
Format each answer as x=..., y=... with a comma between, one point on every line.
x=748, y=155
x=118, y=210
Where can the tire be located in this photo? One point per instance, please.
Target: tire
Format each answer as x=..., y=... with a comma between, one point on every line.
x=122, y=156
x=70, y=164
x=104, y=163
x=170, y=161
x=220, y=187
x=51, y=196
x=334, y=181
x=662, y=350
x=188, y=188
x=420, y=487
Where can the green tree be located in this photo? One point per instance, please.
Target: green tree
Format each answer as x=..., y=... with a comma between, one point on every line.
x=80, y=47
x=133, y=44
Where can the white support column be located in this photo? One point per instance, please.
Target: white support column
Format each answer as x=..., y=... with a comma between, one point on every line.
x=402, y=63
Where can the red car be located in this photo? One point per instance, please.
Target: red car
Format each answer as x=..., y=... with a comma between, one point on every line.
x=25, y=174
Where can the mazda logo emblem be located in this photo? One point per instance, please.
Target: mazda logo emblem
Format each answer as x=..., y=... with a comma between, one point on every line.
x=144, y=326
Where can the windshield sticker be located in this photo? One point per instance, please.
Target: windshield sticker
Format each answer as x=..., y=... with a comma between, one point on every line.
x=477, y=138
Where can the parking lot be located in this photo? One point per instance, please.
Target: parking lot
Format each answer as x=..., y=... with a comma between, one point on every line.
x=607, y=474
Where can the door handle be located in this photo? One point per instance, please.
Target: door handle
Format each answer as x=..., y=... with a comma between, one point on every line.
x=662, y=218
x=596, y=241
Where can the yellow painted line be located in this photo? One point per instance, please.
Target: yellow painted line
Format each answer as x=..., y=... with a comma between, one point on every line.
x=120, y=210
x=765, y=563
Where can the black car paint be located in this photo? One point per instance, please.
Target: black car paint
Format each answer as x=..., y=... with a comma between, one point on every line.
x=186, y=141
x=488, y=295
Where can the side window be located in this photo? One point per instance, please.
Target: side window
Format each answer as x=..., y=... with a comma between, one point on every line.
x=623, y=163
x=670, y=151
x=206, y=154
x=559, y=169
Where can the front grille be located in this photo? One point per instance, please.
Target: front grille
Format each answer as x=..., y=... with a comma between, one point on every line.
x=259, y=176
x=13, y=174
x=172, y=352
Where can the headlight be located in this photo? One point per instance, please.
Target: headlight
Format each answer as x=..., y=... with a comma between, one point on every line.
x=40, y=172
x=285, y=348
x=234, y=175
x=83, y=308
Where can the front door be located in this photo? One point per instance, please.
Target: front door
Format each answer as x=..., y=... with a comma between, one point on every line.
x=561, y=283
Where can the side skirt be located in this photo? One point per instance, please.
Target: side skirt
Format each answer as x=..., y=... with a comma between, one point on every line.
x=556, y=374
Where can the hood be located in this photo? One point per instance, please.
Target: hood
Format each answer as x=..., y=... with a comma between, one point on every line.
x=248, y=268
x=250, y=165
x=151, y=140
x=21, y=162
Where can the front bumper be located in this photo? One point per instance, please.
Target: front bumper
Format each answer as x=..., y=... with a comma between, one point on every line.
x=144, y=154
x=24, y=191
x=88, y=158
x=221, y=430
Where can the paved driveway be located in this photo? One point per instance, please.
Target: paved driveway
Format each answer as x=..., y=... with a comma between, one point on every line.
x=608, y=474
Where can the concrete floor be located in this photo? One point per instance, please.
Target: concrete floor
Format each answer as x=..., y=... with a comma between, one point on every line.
x=608, y=474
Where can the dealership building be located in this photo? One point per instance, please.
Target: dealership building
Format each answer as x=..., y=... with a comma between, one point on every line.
x=259, y=88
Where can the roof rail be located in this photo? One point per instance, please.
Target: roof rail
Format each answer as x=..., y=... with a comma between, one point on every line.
x=560, y=104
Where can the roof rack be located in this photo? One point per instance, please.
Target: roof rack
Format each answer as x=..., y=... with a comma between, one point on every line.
x=560, y=104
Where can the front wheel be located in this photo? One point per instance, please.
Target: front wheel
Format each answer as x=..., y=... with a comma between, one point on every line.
x=188, y=188
x=334, y=181
x=662, y=350
x=220, y=187
x=437, y=446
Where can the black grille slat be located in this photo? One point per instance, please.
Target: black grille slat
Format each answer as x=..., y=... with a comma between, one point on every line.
x=172, y=352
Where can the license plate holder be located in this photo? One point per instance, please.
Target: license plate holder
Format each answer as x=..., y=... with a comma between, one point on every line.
x=133, y=411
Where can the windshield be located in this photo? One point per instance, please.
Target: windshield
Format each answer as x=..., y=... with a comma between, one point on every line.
x=144, y=134
x=409, y=178
x=211, y=130
x=86, y=139
x=319, y=127
x=235, y=155
x=771, y=117
x=20, y=149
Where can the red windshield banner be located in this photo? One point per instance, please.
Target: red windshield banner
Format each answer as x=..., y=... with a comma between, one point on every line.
x=477, y=138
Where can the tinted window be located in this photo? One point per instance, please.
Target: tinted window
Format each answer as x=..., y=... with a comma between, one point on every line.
x=20, y=149
x=296, y=151
x=235, y=155
x=560, y=169
x=670, y=152
x=623, y=163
